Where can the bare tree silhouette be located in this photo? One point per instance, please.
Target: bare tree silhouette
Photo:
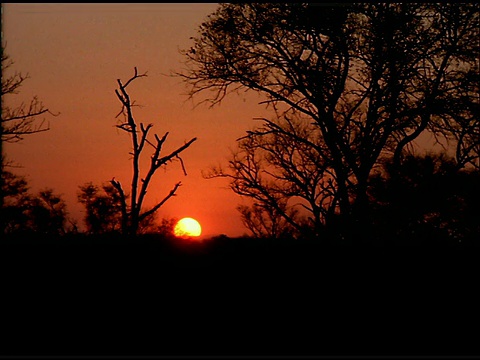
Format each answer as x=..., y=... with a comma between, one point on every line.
x=284, y=167
x=371, y=77
x=133, y=213
x=24, y=119
x=267, y=222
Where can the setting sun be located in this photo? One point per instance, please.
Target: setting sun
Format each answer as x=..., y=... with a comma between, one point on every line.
x=187, y=227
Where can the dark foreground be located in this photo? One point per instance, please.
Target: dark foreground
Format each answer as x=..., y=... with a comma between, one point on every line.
x=236, y=297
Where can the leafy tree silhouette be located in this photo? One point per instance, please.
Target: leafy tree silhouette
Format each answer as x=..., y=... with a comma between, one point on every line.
x=15, y=199
x=44, y=213
x=48, y=213
x=103, y=214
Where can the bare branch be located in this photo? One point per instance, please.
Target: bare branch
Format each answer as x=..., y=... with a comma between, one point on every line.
x=23, y=120
x=123, y=202
x=156, y=207
x=183, y=165
x=135, y=76
x=173, y=154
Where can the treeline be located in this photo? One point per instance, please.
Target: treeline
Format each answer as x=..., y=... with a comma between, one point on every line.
x=426, y=200
x=45, y=212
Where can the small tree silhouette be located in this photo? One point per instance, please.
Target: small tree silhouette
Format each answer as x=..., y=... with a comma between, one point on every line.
x=102, y=208
x=132, y=214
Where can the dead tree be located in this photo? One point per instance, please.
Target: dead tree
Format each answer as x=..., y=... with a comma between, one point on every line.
x=133, y=213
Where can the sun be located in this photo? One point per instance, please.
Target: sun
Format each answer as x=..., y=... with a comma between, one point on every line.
x=187, y=227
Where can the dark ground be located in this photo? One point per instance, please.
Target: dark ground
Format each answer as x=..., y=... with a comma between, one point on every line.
x=236, y=297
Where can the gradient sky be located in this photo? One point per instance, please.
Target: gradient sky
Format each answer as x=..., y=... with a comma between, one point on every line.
x=74, y=53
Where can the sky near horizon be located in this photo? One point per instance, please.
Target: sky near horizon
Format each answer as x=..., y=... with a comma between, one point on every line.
x=74, y=54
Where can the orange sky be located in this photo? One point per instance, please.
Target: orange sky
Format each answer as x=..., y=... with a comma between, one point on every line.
x=74, y=53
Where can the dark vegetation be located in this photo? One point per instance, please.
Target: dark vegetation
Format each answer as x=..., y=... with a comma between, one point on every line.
x=102, y=293
x=426, y=201
x=81, y=294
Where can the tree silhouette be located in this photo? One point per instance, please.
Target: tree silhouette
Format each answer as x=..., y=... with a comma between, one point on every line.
x=102, y=209
x=14, y=204
x=166, y=227
x=267, y=222
x=133, y=213
x=370, y=77
x=43, y=213
x=48, y=213
x=16, y=122
x=282, y=166
x=22, y=120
